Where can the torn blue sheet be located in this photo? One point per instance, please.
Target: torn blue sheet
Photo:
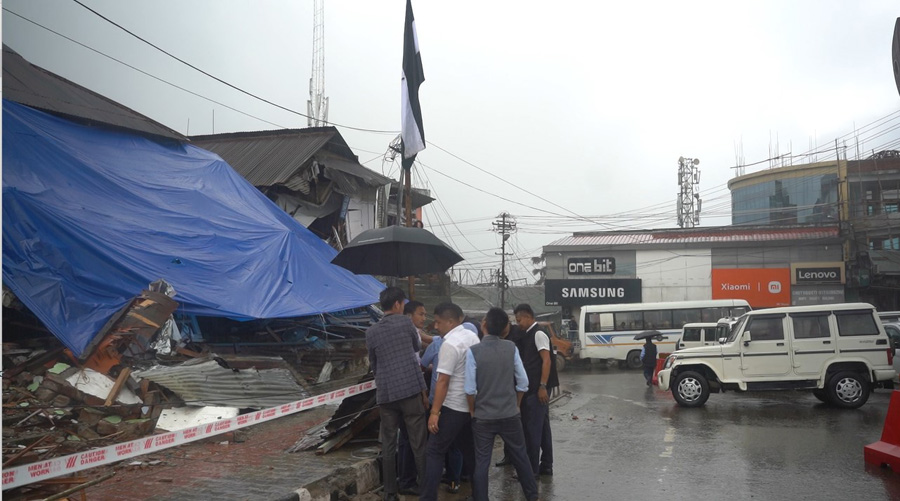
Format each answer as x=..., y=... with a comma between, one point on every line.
x=91, y=216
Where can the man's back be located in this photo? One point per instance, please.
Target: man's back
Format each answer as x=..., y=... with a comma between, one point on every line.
x=392, y=355
x=495, y=362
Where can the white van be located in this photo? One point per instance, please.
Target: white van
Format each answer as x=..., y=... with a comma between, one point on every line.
x=839, y=351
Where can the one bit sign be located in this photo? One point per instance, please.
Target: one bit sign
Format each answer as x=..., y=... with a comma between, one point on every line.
x=591, y=265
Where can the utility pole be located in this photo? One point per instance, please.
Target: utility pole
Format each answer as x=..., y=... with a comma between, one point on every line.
x=688, y=204
x=505, y=226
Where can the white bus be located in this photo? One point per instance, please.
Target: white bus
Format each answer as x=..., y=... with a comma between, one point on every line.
x=607, y=331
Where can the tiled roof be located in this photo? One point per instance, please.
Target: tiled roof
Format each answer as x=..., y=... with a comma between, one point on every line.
x=725, y=234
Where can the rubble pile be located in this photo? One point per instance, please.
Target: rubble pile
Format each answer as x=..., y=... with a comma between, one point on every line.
x=148, y=370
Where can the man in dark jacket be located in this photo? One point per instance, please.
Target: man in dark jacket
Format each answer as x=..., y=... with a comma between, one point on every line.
x=648, y=359
x=534, y=348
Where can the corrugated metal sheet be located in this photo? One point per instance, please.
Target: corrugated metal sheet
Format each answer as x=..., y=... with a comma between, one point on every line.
x=267, y=158
x=696, y=235
x=38, y=88
x=204, y=382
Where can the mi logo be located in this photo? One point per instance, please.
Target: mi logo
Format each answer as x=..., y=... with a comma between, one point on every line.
x=774, y=287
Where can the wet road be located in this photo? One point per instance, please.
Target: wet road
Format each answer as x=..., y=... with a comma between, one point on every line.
x=616, y=439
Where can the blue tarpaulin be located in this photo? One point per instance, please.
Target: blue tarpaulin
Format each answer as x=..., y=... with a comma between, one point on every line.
x=92, y=216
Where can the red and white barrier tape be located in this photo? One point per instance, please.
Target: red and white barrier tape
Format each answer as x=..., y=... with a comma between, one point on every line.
x=51, y=468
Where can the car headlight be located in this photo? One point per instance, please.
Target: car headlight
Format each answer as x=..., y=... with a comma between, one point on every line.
x=669, y=361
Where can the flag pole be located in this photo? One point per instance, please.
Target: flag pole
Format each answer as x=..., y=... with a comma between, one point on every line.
x=407, y=190
x=412, y=133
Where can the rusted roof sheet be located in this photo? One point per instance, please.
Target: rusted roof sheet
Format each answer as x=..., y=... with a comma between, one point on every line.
x=267, y=158
x=203, y=382
x=725, y=234
x=33, y=86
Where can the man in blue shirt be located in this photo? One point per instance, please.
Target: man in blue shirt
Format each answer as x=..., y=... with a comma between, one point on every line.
x=494, y=403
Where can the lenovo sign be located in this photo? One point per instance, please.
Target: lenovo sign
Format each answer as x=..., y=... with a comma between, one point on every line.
x=817, y=273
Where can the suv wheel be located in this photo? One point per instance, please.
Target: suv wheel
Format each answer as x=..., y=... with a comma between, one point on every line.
x=821, y=395
x=848, y=390
x=690, y=389
x=633, y=360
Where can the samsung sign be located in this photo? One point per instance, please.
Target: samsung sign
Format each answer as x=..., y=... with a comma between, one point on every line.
x=817, y=273
x=592, y=291
x=591, y=265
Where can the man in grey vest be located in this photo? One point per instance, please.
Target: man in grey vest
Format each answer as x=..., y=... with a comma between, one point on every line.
x=494, y=403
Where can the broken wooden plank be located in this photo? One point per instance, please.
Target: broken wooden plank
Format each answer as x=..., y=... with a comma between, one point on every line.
x=187, y=352
x=23, y=451
x=120, y=381
x=272, y=333
x=77, y=488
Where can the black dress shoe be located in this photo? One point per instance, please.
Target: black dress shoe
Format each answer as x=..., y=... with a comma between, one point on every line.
x=547, y=472
x=503, y=462
x=410, y=491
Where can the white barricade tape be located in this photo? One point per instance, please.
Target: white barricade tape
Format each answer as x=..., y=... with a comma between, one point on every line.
x=51, y=468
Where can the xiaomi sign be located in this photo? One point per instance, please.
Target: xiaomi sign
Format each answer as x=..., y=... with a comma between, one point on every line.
x=761, y=287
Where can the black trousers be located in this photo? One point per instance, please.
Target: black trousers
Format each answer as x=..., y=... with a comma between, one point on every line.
x=534, y=416
x=454, y=428
x=510, y=430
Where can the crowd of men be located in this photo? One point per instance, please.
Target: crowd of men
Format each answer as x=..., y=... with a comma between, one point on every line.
x=487, y=380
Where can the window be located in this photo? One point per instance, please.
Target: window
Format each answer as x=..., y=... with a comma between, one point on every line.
x=631, y=320
x=811, y=326
x=658, y=319
x=709, y=335
x=691, y=334
x=856, y=323
x=597, y=322
x=766, y=328
x=681, y=317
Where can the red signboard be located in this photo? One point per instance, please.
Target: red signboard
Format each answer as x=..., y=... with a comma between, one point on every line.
x=761, y=287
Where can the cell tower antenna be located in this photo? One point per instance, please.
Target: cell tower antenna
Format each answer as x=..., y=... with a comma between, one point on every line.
x=317, y=106
x=688, y=203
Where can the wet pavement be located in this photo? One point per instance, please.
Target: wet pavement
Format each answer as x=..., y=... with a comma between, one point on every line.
x=614, y=438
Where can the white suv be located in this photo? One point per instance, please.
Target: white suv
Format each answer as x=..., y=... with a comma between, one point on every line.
x=839, y=351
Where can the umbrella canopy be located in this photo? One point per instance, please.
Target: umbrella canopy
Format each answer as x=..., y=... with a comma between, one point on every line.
x=396, y=251
x=646, y=334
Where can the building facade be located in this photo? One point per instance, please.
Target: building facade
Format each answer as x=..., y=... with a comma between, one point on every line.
x=765, y=265
x=862, y=196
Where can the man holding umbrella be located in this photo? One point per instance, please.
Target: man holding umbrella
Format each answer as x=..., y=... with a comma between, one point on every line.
x=393, y=344
x=648, y=358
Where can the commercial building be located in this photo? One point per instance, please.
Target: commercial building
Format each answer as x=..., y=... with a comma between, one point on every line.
x=816, y=233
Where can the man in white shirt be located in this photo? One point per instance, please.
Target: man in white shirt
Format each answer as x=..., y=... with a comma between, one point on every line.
x=449, y=422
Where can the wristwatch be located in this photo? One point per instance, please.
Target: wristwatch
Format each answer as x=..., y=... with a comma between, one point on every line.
x=544, y=386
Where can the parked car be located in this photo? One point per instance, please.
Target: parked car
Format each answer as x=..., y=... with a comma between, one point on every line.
x=697, y=334
x=893, y=332
x=840, y=352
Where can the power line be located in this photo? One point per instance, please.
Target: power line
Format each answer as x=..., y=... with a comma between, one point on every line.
x=235, y=87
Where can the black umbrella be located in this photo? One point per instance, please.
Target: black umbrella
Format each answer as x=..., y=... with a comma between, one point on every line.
x=646, y=334
x=396, y=251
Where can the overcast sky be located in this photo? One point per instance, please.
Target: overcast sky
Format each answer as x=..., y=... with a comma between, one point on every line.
x=587, y=105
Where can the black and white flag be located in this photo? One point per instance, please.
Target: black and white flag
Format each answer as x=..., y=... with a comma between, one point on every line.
x=412, y=133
